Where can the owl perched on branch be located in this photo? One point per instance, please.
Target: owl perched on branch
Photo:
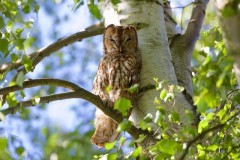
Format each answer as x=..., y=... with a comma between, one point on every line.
x=118, y=70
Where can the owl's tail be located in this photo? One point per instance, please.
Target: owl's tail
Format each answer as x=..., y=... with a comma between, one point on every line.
x=106, y=130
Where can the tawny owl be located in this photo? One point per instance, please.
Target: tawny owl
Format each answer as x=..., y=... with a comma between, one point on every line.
x=119, y=69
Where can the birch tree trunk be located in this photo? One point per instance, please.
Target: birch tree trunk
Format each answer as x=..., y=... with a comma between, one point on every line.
x=148, y=17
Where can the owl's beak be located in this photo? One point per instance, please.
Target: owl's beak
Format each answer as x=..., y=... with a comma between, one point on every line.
x=120, y=49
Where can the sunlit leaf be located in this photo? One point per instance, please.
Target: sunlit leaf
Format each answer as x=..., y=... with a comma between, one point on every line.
x=94, y=11
x=133, y=88
x=169, y=147
x=212, y=148
x=11, y=99
x=123, y=105
x=137, y=152
x=109, y=146
x=3, y=143
x=27, y=63
x=163, y=94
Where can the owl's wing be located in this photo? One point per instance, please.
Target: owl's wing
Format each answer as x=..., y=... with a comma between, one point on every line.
x=101, y=80
x=136, y=68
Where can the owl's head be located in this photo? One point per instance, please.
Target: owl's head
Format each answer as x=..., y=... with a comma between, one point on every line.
x=120, y=39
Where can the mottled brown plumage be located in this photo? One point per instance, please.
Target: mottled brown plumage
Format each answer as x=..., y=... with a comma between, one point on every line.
x=119, y=69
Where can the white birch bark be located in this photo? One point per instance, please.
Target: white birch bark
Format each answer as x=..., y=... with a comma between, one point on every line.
x=148, y=17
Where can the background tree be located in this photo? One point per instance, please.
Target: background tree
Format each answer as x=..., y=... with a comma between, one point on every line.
x=165, y=122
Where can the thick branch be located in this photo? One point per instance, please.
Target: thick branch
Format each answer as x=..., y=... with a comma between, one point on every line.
x=39, y=82
x=195, y=24
x=79, y=93
x=37, y=56
x=182, y=47
x=228, y=15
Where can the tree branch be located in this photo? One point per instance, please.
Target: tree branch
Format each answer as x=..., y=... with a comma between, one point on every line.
x=195, y=24
x=79, y=93
x=201, y=135
x=182, y=47
x=37, y=56
x=39, y=82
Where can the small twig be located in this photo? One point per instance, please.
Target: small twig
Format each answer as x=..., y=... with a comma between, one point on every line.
x=37, y=56
x=232, y=92
x=147, y=88
x=190, y=143
x=233, y=147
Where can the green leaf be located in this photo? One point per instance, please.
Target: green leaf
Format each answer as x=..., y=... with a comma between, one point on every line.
x=109, y=146
x=168, y=97
x=112, y=156
x=115, y=2
x=19, y=32
x=140, y=138
x=167, y=146
x=3, y=143
x=27, y=63
x=137, y=152
x=201, y=105
x=11, y=99
x=20, y=79
x=207, y=60
x=123, y=105
x=174, y=117
x=163, y=94
x=36, y=8
x=236, y=98
x=133, y=88
x=1, y=22
x=3, y=45
x=14, y=57
x=27, y=9
x=20, y=43
x=77, y=4
x=125, y=124
x=94, y=11
x=212, y=147
x=20, y=150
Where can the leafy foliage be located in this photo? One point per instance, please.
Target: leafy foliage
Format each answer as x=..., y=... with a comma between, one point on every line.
x=217, y=98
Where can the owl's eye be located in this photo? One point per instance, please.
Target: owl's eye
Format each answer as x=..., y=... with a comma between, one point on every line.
x=128, y=39
x=112, y=40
